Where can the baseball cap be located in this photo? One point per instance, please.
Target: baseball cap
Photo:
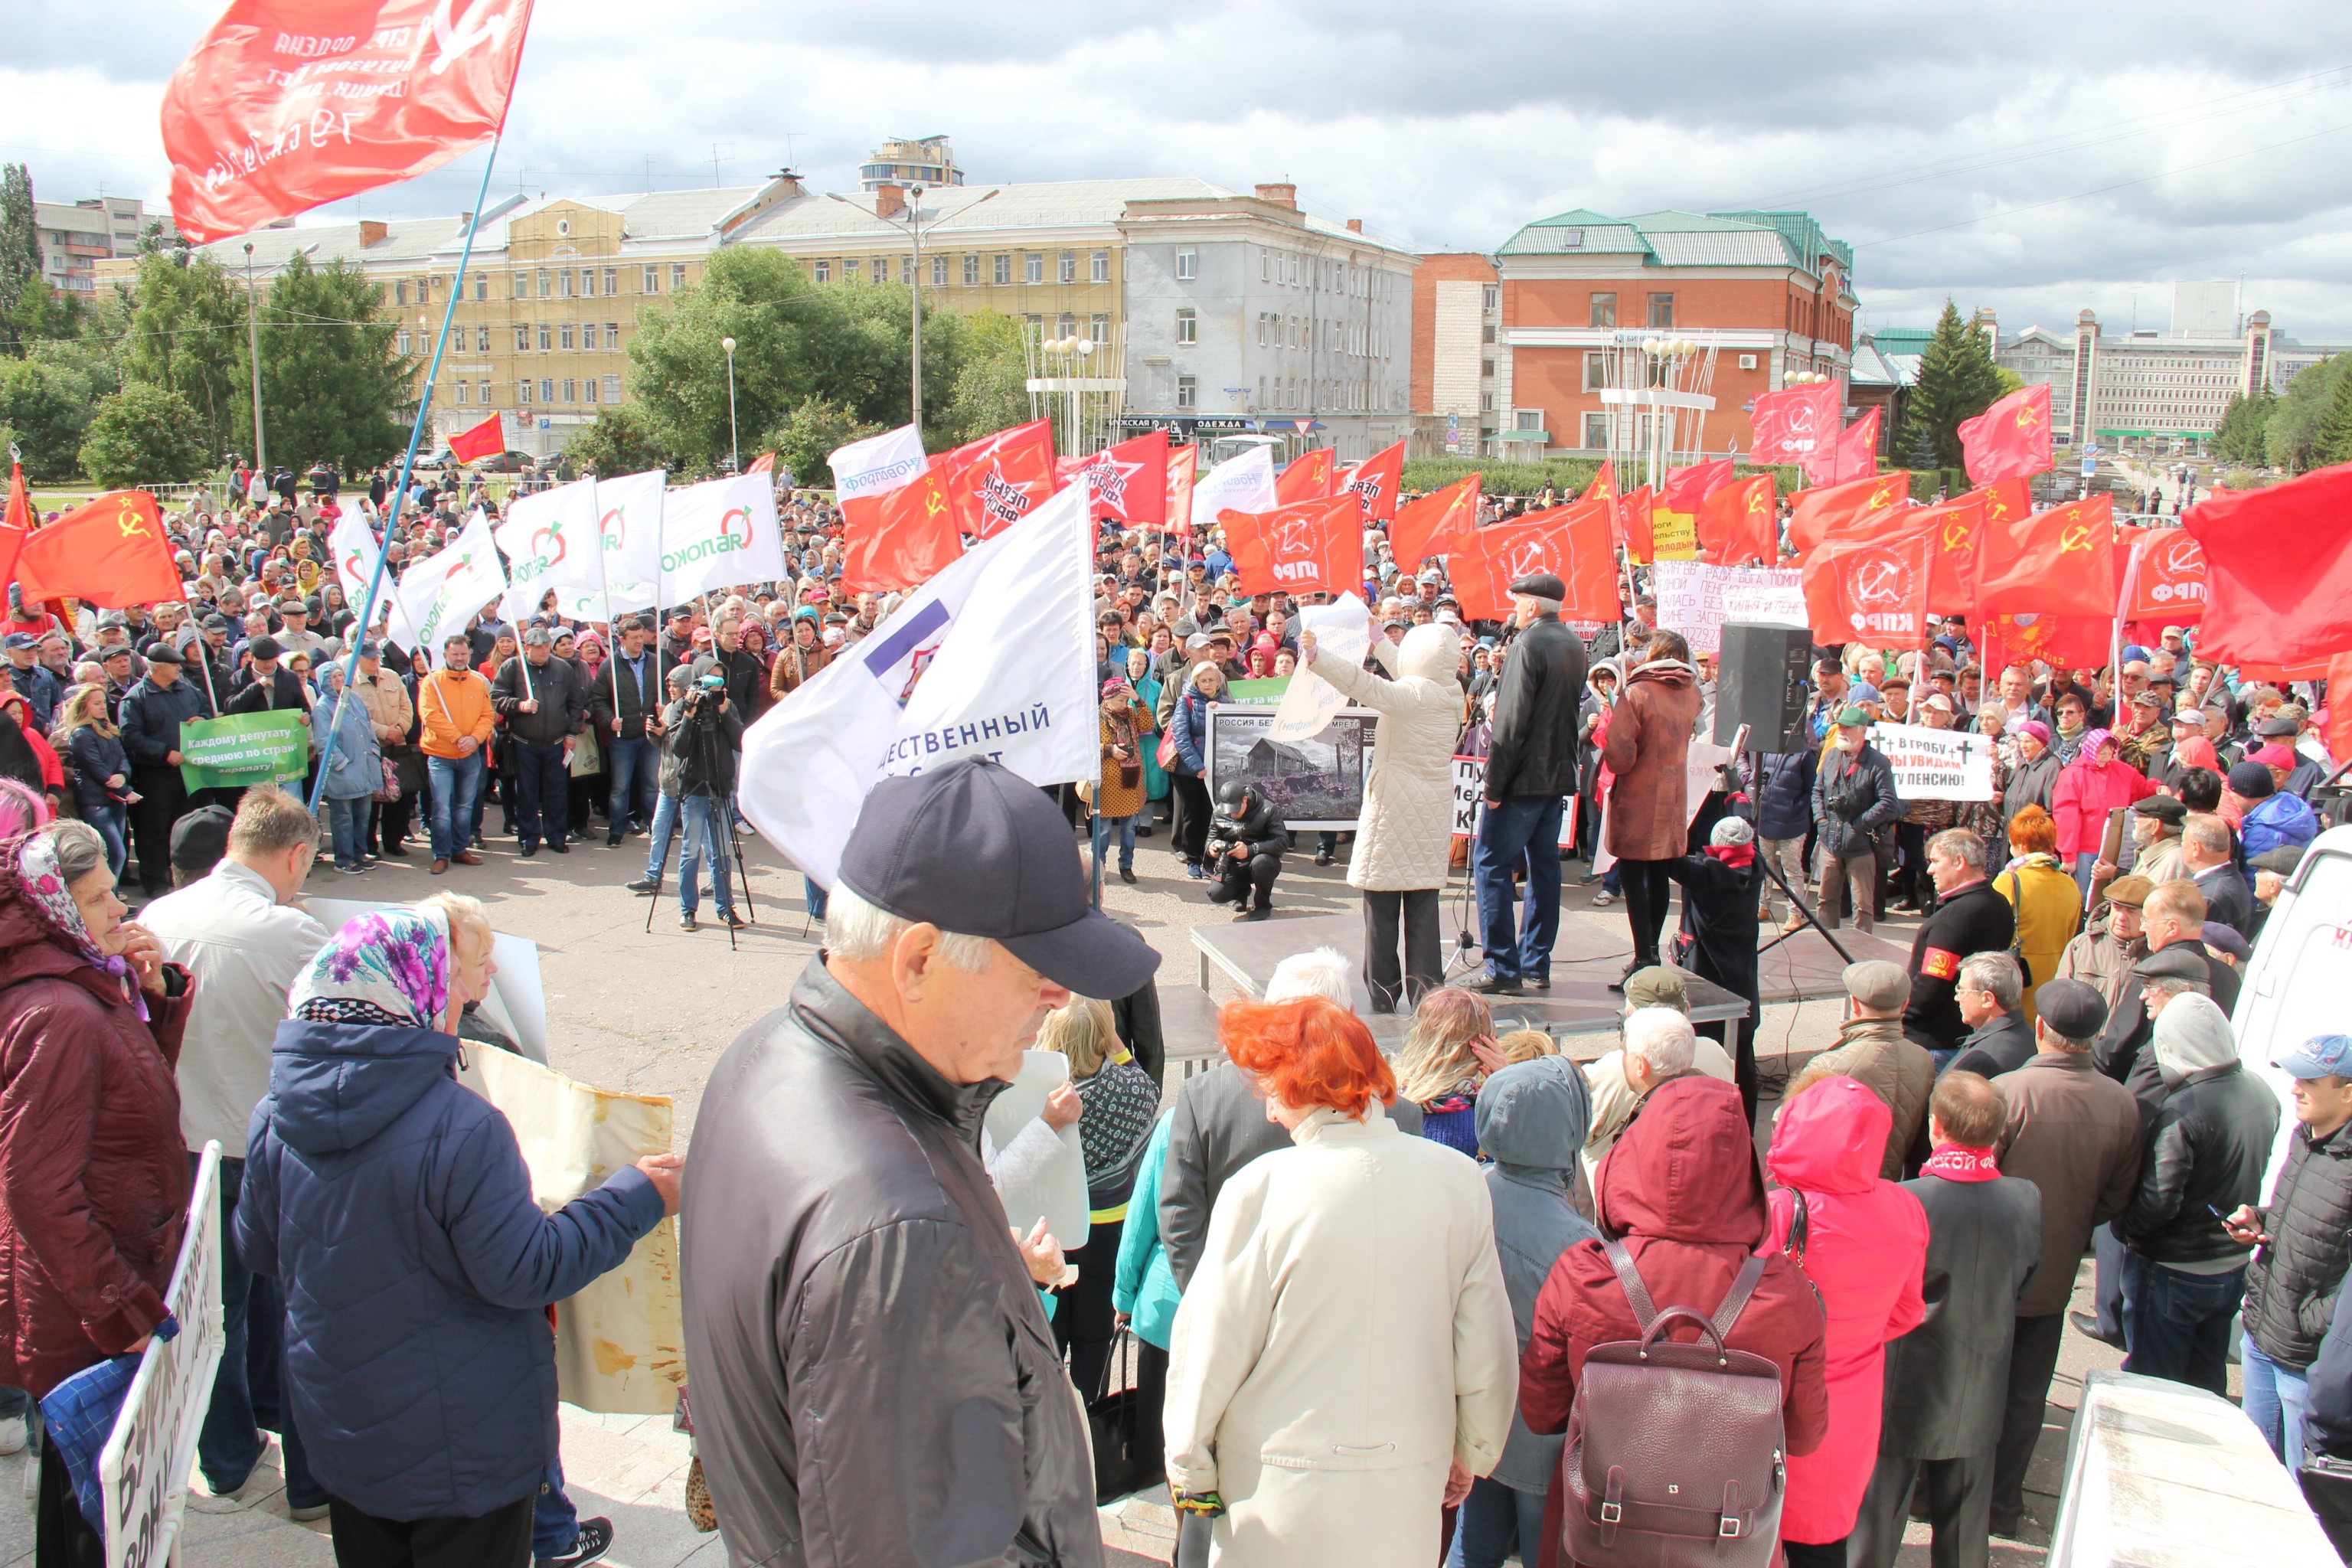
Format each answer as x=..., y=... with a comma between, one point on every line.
x=1853, y=717
x=974, y=848
x=370, y=649
x=25, y=640
x=2321, y=1055
x=1660, y=986
x=2273, y=756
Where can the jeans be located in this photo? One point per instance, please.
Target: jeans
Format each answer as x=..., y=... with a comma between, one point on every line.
x=347, y=826
x=542, y=791
x=1524, y=827
x=554, y=1523
x=1123, y=829
x=455, y=780
x=2180, y=1322
x=230, y=1442
x=111, y=819
x=705, y=822
x=659, y=837
x=635, y=767
x=1495, y=1518
x=2276, y=1398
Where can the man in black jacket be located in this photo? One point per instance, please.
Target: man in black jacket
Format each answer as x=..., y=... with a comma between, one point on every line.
x=266, y=685
x=1970, y=918
x=1991, y=997
x=628, y=723
x=153, y=712
x=2172, y=922
x=2205, y=847
x=703, y=736
x=1245, y=843
x=541, y=699
x=1530, y=764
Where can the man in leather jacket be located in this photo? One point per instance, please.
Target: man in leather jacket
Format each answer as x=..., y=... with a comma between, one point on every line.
x=1246, y=839
x=1531, y=765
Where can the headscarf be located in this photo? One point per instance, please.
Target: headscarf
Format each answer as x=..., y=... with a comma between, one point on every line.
x=2197, y=752
x=388, y=966
x=46, y=886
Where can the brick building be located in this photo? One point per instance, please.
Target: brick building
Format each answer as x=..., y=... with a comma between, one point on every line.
x=1460, y=375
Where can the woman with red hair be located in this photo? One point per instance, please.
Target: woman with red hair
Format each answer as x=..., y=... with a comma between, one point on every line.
x=1342, y=1365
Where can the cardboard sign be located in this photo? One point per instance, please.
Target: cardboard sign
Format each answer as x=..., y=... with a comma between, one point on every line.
x=1470, y=802
x=1936, y=764
x=246, y=749
x=1696, y=599
x=1054, y=1191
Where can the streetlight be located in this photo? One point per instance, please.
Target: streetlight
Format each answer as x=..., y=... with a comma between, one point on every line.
x=252, y=339
x=734, y=447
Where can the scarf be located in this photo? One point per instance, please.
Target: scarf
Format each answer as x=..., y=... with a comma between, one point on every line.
x=45, y=883
x=1955, y=1163
x=1739, y=857
x=388, y=966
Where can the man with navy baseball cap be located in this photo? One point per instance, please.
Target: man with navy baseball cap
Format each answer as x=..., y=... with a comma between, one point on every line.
x=858, y=1310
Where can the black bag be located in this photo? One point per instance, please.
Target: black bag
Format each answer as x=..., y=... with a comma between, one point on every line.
x=2327, y=1488
x=1115, y=1421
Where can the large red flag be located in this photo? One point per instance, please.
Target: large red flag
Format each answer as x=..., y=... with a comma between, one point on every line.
x=1634, y=524
x=1855, y=508
x=995, y=481
x=1307, y=547
x=1795, y=424
x=2073, y=642
x=474, y=443
x=1434, y=524
x=2169, y=582
x=1307, y=477
x=2278, y=569
x=2055, y=562
x=1571, y=543
x=899, y=538
x=112, y=554
x=284, y=106
x=1183, y=467
x=1736, y=524
x=1857, y=449
x=1870, y=589
x=1953, y=530
x=1130, y=479
x=2010, y=439
x=1687, y=488
x=16, y=526
x=1376, y=481
x=2007, y=501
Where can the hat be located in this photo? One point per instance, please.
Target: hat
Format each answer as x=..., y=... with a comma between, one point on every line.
x=2037, y=729
x=200, y=838
x=2149, y=698
x=1117, y=683
x=2253, y=780
x=1854, y=718
x=1660, y=986
x=370, y=649
x=2164, y=808
x=2134, y=651
x=2070, y=1007
x=292, y=606
x=264, y=646
x=1732, y=830
x=975, y=849
x=1196, y=642
x=536, y=636
x=111, y=619
x=2273, y=756
x=2321, y=1055
x=2192, y=717
x=681, y=613
x=2167, y=632
x=25, y=640
x=216, y=623
x=162, y=653
x=1828, y=664
x=2282, y=860
x=2176, y=963
x=2224, y=939
x=1877, y=984
x=2129, y=892
x=1541, y=586
x=1864, y=691
x=2279, y=727
x=120, y=650
x=1938, y=701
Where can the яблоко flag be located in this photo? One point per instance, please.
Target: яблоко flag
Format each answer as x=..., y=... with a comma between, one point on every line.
x=285, y=105
x=487, y=439
x=111, y=553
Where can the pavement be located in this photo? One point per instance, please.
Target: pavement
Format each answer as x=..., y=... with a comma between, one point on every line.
x=648, y=1011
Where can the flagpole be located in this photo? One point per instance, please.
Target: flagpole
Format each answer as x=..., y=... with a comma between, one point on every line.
x=407, y=465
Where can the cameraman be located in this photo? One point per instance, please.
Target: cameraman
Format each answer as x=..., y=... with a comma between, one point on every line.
x=704, y=735
x=1246, y=838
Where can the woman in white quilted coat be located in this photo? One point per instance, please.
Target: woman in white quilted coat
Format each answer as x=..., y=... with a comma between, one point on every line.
x=1406, y=831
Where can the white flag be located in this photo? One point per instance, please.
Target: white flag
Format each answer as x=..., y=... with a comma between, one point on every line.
x=550, y=539
x=992, y=658
x=1238, y=484
x=355, y=548
x=630, y=512
x=719, y=534
x=1343, y=630
x=438, y=596
x=877, y=463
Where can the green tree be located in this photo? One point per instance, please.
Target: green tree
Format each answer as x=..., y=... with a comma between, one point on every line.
x=810, y=434
x=333, y=383
x=2331, y=442
x=20, y=248
x=620, y=440
x=48, y=399
x=1958, y=381
x=184, y=331
x=2242, y=434
x=144, y=435
x=2292, y=435
x=991, y=381
x=678, y=367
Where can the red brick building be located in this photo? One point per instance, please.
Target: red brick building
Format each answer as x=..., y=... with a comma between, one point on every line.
x=1457, y=317
x=1749, y=297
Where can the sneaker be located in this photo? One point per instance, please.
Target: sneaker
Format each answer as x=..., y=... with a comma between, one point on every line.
x=306, y=1514
x=1499, y=985
x=595, y=1539
x=645, y=887
x=1193, y=869
x=1322, y=856
x=1126, y=875
x=685, y=920
x=354, y=870
x=1603, y=899
x=730, y=917
x=11, y=1436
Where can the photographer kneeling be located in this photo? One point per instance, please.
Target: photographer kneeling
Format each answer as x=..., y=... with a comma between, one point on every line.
x=1246, y=838
x=704, y=736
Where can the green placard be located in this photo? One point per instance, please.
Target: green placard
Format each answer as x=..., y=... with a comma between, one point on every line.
x=245, y=749
x=1266, y=693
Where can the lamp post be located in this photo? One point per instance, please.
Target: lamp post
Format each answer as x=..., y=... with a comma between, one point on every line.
x=253, y=340
x=734, y=447
x=915, y=322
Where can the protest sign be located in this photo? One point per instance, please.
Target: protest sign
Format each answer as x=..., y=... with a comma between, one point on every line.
x=1052, y=1186
x=245, y=749
x=1344, y=629
x=1701, y=764
x=1936, y=764
x=1696, y=599
x=1266, y=693
x=1470, y=802
x=1317, y=781
x=1673, y=535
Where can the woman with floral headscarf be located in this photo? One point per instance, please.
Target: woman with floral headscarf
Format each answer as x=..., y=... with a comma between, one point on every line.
x=93, y=1172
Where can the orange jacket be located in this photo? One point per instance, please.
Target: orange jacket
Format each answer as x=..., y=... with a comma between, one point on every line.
x=451, y=703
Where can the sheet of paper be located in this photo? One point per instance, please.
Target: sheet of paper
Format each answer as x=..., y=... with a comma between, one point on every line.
x=1343, y=629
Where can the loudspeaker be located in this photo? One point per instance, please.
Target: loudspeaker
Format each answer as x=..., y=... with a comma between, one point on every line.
x=1762, y=681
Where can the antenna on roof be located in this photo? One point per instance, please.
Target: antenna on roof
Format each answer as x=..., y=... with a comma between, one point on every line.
x=718, y=148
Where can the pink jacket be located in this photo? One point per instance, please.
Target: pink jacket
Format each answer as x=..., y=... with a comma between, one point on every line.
x=1865, y=1251
x=2085, y=791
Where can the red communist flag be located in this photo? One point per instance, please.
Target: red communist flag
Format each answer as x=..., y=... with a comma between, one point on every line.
x=1183, y=467
x=1853, y=455
x=1308, y=547
x=2278, y=570
x=1571, y=543
x=1634, y=523
x=2055, y=562
x=1130, y=479
x=2167, y=581
x=1795, y=424
x=1687, y=489
x=2073, y=642
x=899, y=538
x=15, y=525
x=1306, y=477
x=112, y=554
x=2010, y=439
x=1870, y=589
x=286, y=104
x=1436, y=524
x=1954, y=530
x=1855, y=508
x=1376, y=481
x=997, y=480
x=1736, y=524
x=487, y=439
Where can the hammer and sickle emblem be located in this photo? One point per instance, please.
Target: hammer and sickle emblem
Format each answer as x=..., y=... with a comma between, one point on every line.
x=2078, y=537
x=1956, y=536
x=2027, y=417
x=1883, y=496
x=1756, y=504
x=132, y=525
x=934, y=502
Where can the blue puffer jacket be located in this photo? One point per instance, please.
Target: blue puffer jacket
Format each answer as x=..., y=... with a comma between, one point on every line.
x=1144, y=1287
x=395, y=1207
x=1784, y=807
x=2281, y=820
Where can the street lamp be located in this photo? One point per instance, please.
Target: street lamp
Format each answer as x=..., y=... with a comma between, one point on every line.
x=252, y=339
x=734, y=448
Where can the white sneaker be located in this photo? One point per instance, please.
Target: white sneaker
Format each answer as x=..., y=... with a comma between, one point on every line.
x=11, y=1436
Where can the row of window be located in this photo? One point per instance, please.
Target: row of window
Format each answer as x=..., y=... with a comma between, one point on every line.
x=545, y=283
x=1301, y=270
x=549, y=336
x=547, y=390
x=1604, y=311
x=1357, y=339
x=877, y=268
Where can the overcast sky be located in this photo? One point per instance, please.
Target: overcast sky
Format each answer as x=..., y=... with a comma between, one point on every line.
x=2034, y=158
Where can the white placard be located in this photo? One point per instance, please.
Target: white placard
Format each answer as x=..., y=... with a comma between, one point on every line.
x=1056, y=1190
x=1470, y=801
x=1696, y=599
x=1936, y=764
x=1342, y=629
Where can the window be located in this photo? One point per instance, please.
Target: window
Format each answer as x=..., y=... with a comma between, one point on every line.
x=1003, y=272
x=1187, y=263
x=1662, y=310
x=1067, y=327
x=1187, y=326
x=588, y=390
x=1065, y=267
x=565, y=335
x=571, y=390
x=612, y=389
x=1033, y=267
x=1264, y=265
x=1099, y=272
x=1486, y=370
x=587, y=334
x=522, y=392
x=1098, y=329
x=563, y=283
x=1596, y=370
x=1488, y=333
x=1486, y=403
x=1604, y=310
x=1188, y=392
x=906, y=269
x=546, y=390
x=481, y=340
x=939, y=271
x=522, y=340
x=400, y=291
x=611, y=280
x=677, y=276
x=612, y=334
x=424, y=290
x=546, y=337
x=404, y=342
x=542, y=284
x=461, y=392
x=486, y=394
x=481, y=285
x=1494, y=300
x=971, y=271
x=522, y=285
x=881, y=270
x=1596, y=432
x=1261, y=392
x=849, y=269
x=825, y=270
x=653, y=279
x=1264, y=332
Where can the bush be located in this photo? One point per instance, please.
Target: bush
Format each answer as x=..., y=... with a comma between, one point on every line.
x=1569, y=477
x=810, y=435
x=619, y=440
x=144, y=435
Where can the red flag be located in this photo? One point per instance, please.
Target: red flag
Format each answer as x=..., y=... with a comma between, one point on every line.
x=1953, y=529
x=1603, y=486
x=111, y=553
x=1571, y=543
x=2339, y=733
x=1376, y=482
x=2169, y=584
x=2010, y=439
x=995, y=481
x=1436, y=524
x=1795, y=424
x=16, y=527
x=1736, y=525
x=1130, y=479
x=2006, y=501
x=1307, y=547
x=2278, y=569
x=2073, y=642
x=283, y=107
x=1183, y=467
x=1870, y=589
x=1306, y=477
x=2055, y=562
x=1858, y=506
x=1687, y=489
x=1634, y=524
x=1853, y=454
x=899, y=538
x=487, y=439
x=765, y=463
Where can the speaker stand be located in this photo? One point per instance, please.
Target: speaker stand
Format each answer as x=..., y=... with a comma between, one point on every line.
x=1796, y=901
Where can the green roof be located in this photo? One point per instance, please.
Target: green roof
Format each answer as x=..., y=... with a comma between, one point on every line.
x=1521, y=436
x=1671, y=238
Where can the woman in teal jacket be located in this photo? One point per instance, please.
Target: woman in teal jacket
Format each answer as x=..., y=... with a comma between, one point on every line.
x=1145, y=1294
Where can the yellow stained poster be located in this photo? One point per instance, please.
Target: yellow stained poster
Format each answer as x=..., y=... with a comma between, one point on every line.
x=1673, y=535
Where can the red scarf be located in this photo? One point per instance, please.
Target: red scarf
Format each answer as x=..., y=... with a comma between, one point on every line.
x=1739, y=857
x=1955, y=1163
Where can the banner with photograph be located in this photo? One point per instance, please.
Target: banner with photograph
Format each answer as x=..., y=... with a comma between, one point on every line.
x=1696, y=599
x=1316, y=782
x=1936, y=764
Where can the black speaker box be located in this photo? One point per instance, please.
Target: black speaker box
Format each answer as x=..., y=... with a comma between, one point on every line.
x=1762, y=680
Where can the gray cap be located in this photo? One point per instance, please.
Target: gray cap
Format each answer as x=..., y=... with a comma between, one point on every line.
x=370, y=649
x=2071, y=1009
x=1878, y=985
x=2174, y=962
x=536, y=636
x=1196, y=642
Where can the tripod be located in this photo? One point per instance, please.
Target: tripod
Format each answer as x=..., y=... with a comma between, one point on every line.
x=1795, y=902
x=723, y=807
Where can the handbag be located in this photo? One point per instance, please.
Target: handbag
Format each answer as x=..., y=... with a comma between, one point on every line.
x=1165, y=755
x=388, y=791
x=1115, y=1421
x=2326, y=1483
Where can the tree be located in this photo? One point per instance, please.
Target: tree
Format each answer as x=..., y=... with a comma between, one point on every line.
x=811, y=434
x=333, y=385
x=184, y=331
x=144, y=435
x=2242, y=434
x=2292, y=435
x=49, y=400
x=678, y=367
x=2331, y=442
x=1958, y=381
x=991, y=384
x=620, y=440
x=20, y=248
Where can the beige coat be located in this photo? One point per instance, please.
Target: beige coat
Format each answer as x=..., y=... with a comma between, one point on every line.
x=1901, y=1073
x=1346, y=1337
x=1405, y=836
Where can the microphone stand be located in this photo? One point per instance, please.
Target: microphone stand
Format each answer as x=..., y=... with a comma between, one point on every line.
x=1772, y=869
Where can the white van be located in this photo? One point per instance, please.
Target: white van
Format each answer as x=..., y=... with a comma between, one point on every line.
x=2299, y=982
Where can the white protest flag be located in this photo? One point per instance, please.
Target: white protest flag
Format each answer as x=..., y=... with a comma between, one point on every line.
x=1343, y=630
x=878, y=464
x=439, y=596
x=1238, y=484
x=550, y=539
x=629, y=514
x=355, y=548
x=720, y=533
x=993, y=657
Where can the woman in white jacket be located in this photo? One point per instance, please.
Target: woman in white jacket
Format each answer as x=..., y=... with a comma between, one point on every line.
x=1405, y=837
x=1342, y=1365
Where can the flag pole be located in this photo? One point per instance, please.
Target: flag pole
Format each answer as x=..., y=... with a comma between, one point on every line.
x=407, y=465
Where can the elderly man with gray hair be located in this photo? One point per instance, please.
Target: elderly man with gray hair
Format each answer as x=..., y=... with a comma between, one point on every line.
x=1651, y=1054
x=1970, y=918
x=1992, y=995
x=1874, y=1049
